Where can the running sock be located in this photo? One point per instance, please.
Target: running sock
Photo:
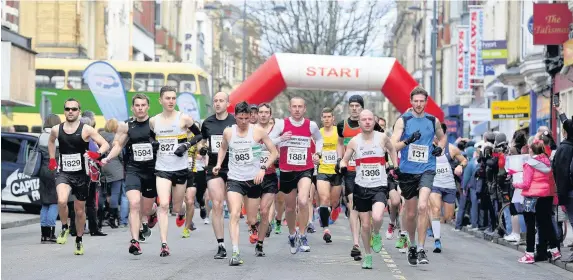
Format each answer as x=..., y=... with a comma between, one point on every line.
x=221, y=242
x=278, y=221
x=404, y=233
x=420, y=248
x=253, y=228
x=436, y=228
x=65, y=227
x=260, y=242
x=78, y=239
x=133, y=241
x=324, y=214
x=235, y=248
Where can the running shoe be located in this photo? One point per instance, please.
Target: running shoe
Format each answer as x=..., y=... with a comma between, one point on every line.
x=164, y=250
x=376, y=243
x=355, y=253
x=278, y=229
x=292, y=240
x=335, y=214
x=303, y=244
x=192, y=227
x=412, y=256
x=221, y=253
x=310, y=228
x=555, y=254
x=254, y=235
x=186, y=233
x=63, y=237
x=152, y=221
x=403, y=243
x=437, y=246
x=259, y=250
x=269, y=231
x=429, y=232
x=326, y=236
x=390, y=232
x=527, y=258
x=180, y=221
x=134, y=248
x=206, y=221
x=203, y=212
x=79, y=248
x=367, y=263
x=146, y=231
x=235, y=259
x=141, y=237
x=422, y=258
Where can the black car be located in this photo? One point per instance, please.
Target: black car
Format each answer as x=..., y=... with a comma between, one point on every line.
x=17, y=188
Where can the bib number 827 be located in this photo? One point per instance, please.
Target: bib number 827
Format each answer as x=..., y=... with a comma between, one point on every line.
x=166, y=147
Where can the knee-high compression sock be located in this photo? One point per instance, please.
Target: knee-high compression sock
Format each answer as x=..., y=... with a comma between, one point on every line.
x=324, y=213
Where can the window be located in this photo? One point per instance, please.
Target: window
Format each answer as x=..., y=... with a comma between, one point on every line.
x=76, y=80
x=49, y=78
x=204, y=86
x=10, y=149
x=157, y=12
x=148, y=82
x=182, y=82
x=126, y=80
x=29, y=146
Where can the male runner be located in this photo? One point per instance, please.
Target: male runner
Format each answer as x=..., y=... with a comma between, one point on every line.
x=246, y=173
x=73, y=138
x=137, y=136
x=254, y=115
x=328, y=181
x=296, y=163
x=212, y=131
x=371, y=190
x=346, y=130
x=413, y=136
x=193, y=190
x=444, y=188
x=171, y=166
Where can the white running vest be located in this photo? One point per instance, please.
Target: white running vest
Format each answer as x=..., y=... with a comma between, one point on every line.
x=244, y=156
x=169, y=136
x=444, y=174
x=370, y=162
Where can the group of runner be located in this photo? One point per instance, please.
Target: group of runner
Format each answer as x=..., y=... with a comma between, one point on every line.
x=237, y=158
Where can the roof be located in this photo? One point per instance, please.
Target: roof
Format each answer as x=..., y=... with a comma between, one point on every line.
x=17, y=40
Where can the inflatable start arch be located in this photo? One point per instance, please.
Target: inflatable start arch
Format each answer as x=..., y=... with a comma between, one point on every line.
x=307, y=71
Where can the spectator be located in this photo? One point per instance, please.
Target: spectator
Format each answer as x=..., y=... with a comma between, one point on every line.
x=539, y=192
x=469, y=188
x=113, y=173
x=48, y=194
x=563, y=172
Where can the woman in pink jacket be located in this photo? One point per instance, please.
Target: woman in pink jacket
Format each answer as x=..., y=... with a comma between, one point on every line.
x=539, y=191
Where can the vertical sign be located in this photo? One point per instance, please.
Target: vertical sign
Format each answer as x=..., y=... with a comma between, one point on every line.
x=476, y=35
x=463, y=69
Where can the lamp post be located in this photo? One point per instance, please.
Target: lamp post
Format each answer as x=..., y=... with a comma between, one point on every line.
x=434, y=43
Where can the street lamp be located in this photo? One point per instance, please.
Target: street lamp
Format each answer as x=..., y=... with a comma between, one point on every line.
x=434, y=43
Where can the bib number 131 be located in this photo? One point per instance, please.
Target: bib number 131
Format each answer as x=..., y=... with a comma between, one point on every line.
x=418, y=153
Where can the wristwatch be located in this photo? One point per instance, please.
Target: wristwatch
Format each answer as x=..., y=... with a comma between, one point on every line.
x=263, y=167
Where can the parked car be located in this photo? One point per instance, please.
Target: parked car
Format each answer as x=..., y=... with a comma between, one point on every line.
x=17, y=188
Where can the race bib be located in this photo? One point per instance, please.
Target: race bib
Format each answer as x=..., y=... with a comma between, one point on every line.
x=296, y=156
x=242, y=156
x=352, y=162
x=167, y=146
x=298, y=142
x=371, y=171
x=418, y=153
x=443, y=170
x=71, y=162
x=216, y=141
x=142, y=152
x=265, y=155
x=329, y=157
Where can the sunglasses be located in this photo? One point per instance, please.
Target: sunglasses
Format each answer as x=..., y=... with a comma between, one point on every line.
x=75, y=109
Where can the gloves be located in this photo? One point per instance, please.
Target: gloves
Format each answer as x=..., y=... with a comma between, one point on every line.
x=182, y=149
x=94, y=155
x=413, y=138
x=394, y=172
x=437, y=151
x=338, y=169
x=155, y=146
x=203, y=151
x=53, y=165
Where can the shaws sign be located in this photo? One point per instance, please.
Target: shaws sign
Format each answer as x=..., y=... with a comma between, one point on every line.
x=551, y=23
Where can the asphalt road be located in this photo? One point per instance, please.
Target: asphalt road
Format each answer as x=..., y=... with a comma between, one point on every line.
x=464, y=257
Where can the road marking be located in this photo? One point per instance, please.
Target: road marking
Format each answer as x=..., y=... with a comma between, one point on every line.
x=392, y=266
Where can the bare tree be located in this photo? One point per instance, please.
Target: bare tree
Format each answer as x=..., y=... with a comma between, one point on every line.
x=320, y=27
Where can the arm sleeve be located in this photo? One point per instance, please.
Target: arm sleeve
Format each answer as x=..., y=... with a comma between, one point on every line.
x=317, y=136
x=527, y=178
x=195, y=139
x=340, y=128
x=195, y=129
x=204, y=132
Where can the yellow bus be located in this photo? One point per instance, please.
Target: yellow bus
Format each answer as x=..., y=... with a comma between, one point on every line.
x=60, y=79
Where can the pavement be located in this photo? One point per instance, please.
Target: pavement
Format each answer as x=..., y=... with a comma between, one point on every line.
x=14, y=216
x=464, y=257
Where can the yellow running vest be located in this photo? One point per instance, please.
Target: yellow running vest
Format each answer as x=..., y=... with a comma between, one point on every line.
x=192, y=153
x=329, y=156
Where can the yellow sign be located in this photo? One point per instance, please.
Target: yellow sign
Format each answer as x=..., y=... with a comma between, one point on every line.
x=510, y=110
x=568, y=52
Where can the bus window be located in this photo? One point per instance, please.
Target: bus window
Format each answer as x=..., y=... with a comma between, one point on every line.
x=126, y=80
x=182, y=82
x=148, y=82
x=76, y=81
x=49, y=78
x=204, y=86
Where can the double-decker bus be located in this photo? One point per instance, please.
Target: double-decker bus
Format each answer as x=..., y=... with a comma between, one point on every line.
x=61, y=79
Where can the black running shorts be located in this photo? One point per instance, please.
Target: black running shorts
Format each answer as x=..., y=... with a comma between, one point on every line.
x=178, y=177
x=289, y=180
x=364, y=198
x=80, y=184
x=141, y=180
x=410, y=184
x=333, y=179
x=247, y=188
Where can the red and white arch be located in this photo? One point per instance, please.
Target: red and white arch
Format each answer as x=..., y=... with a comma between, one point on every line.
x=306, y=71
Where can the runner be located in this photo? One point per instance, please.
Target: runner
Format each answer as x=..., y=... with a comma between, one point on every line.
x=254, y=113
x=413, y=136
x=192, y=189
x=171, y=167
x=328, y=181
x=73, y=138
x=346, y=130
x=444, y=188
x=212, y=131
x=296, y=165
x=137, y=136
x=246, y=173
x=371, y=189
